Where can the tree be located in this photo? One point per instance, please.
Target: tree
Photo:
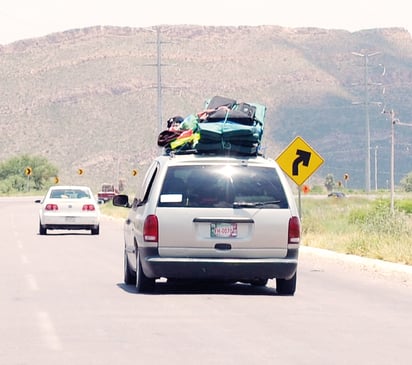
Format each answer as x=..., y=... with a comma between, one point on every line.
x=329, y=182
x=406, y=182
x=13, y=172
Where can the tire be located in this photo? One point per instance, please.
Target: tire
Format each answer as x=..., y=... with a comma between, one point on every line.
x=259, y=282
x=143, y=283
x=42, y=229
x=95, y=230
x=286, y=286
x=129, y=274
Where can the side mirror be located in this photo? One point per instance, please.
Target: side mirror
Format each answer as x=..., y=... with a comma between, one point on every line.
x=121, y=201
x=37, y=201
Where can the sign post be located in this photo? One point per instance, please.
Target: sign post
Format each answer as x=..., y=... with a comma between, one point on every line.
x=299, y=161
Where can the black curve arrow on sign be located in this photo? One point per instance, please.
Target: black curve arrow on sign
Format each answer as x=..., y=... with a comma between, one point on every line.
x=304, y=158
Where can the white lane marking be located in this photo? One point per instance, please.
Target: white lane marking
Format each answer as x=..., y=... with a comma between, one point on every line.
x=48, y=332
x=32, y=282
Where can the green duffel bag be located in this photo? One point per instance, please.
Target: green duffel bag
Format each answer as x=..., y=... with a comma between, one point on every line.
x=210, y=132
x=240, y=133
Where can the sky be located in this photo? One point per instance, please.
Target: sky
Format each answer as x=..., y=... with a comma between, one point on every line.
x=22, y=19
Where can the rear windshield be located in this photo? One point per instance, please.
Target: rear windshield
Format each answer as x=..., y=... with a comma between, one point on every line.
x=69, y=194
x=222, y=187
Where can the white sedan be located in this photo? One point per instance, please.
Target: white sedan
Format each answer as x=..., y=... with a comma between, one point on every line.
x=69, y=207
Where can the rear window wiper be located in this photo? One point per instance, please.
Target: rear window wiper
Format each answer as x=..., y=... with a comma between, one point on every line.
x=254, y=204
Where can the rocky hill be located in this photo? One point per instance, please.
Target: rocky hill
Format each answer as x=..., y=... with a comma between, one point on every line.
x=88, y=98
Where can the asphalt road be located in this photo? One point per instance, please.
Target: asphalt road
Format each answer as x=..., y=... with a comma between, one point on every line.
x=62, y=301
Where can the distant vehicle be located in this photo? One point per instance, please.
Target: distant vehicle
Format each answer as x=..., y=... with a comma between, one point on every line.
x=215, y=218
x=336, y=194
x=107, y=192
x=69, y=208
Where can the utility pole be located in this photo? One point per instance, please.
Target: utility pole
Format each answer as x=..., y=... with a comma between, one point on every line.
x=376, y=168
x=367, y=121
x=159, y=86
x=393, y=122
x=159, y=80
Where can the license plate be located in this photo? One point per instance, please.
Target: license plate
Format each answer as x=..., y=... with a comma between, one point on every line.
x=223, y=230
x=70, y=219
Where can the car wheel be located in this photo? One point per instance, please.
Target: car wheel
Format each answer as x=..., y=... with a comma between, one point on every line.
x=95, y=230
x=42, y=229
x=259, y=282
x=129, y=274
x=286, y=286
x=143, y=283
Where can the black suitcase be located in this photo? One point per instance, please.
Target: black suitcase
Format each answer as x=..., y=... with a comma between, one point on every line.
x=237, y=116
x=247, y=109
x=218, y=101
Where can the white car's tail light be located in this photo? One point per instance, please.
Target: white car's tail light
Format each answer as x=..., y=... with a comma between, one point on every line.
x=88, y=207
x=51, y=207
x=294, y=230
x=151, y=229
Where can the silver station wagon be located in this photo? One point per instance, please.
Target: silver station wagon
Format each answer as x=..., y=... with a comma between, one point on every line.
x=212, y=217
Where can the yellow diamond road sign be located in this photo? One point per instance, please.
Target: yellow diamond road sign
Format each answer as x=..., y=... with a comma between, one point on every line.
x=299, y=160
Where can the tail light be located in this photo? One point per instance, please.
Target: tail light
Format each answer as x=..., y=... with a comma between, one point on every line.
x=151, y=229
x=294, y=230
x=51, y=207
x=88, y=207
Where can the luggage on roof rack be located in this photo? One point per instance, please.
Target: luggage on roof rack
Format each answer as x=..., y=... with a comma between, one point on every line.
x=235, y=116
x=228, y=136
x=223, y=127
x=218, y=101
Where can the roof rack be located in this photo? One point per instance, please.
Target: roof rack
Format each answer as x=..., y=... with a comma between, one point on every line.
x=227, y=152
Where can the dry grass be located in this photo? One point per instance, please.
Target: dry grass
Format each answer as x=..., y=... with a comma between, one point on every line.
x=358, y=226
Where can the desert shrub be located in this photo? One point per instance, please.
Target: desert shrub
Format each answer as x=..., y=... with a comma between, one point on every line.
x=404, y=205
x=379, y=219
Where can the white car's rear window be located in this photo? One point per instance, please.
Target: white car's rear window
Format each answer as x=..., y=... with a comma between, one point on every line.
x=69, y=194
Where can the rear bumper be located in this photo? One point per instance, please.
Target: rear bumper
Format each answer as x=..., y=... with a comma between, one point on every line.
x=75, y=222
x=105, y=198
x=71, y=226
x=234, y=269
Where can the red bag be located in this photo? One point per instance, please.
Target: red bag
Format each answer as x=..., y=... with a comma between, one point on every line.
x=167, y=136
